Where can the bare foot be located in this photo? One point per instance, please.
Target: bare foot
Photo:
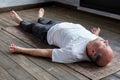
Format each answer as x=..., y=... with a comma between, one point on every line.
x=15, y=16
x=13, y=48
x=40, y=14
x=96, y=31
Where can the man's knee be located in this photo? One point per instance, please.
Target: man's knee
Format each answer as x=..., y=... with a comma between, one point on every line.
x=38, y=29
x=28, y=27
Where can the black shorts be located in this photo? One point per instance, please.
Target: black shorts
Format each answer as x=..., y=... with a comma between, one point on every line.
x=40, y=28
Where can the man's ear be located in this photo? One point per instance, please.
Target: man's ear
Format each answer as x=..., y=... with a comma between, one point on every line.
x=93, y=52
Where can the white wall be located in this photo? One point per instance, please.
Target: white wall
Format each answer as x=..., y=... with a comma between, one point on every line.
x=9, y=3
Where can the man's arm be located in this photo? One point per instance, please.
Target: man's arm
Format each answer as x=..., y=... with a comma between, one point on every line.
x=31, y=51
x=38, y=52
x=96, y=31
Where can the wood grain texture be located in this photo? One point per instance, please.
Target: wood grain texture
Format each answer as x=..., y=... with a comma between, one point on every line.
x=38, y=67
x=4, y=75
x=82, y=71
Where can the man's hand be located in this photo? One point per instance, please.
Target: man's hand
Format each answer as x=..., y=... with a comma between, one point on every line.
x=96, y=31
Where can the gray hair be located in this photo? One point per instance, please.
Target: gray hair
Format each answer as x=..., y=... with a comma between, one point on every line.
x=95, y=58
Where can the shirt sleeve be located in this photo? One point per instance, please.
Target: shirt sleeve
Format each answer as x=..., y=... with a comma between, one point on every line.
x=63, y=55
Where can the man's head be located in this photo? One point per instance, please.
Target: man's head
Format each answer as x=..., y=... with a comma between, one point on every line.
x=100, y=52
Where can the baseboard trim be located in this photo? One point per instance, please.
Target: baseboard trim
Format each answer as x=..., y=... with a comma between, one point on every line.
x=65, y=5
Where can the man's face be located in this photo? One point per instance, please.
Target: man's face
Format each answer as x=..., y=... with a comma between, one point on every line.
x=98, y=44
x=105, y=50
x=100, y=47
x=103, y=45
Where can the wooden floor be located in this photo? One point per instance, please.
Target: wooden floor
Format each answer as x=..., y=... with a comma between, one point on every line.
x=24, y=67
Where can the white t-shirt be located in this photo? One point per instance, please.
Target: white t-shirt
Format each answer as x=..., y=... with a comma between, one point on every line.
x=72, y=40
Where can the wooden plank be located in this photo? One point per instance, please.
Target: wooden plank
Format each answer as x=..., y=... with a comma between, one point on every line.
x=4, y=75
x=73, y=72
x=80, y=17
x=61, y=73
x=111, y=77
x=14, y=69
x=8, y=21
x=117, y=74
x=91, y=72
x=72, y=66
x=27, y=65
x=83, y=19
x=47, y=65
x=30, y=67
x=3, y=23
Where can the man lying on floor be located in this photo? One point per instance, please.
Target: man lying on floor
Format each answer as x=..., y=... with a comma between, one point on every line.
x=74, y=41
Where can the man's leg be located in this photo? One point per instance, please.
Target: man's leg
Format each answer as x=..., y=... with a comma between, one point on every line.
x=30, y=27
x=37, y=29
x=43, y=21
x=15, y=17
x=40, y=18
x=24, y=24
